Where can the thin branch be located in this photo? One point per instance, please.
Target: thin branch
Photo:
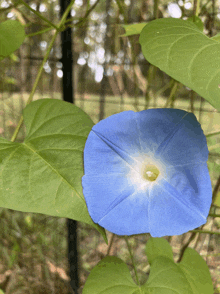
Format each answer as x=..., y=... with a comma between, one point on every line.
x=39, y=15
x=205, y=232
x=110, y=244
x=192, y=237
x=87, y=14
x=60, y=25
x=132, y=259
x=215, y=191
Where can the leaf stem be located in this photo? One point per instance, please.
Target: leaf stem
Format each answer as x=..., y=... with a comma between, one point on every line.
x=212, y=134
x=40, y=32
x=39, y=15
x=110, y=244
x=213, y=147
x=132, y=260
x=214, y=215
x=205, y=232
x=62, y=21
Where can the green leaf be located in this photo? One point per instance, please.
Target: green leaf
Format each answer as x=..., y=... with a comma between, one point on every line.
x=197, y=21
x=182, y=51
x=12, y=35
x=158, y=247
x=133, y=29
x=43, y=174
x=190, y=276
x=196, y=271
x=216, y=37
x=111, y=275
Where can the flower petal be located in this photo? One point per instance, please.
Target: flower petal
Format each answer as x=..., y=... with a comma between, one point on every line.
x=182, y=203
x=117, y=194
x=173, y=134
x=116, y=134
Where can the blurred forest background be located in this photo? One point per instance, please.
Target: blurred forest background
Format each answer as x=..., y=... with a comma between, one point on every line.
x=110, y=76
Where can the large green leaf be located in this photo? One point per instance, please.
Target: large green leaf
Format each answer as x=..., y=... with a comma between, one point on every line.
x=190, y=276
x=158, y=247
x=43, y=174
x=181, y=50
x=135, y=29
x=12, y=35
x=111, y=275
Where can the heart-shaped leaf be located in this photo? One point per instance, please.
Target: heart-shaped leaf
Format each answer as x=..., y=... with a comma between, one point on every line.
x=43, y=174
x=190, y=276
x=158, y=247
x=181, y=50
x=111, y=275
x=12, y=35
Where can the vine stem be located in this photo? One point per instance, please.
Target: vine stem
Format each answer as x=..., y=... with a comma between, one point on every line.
x=214, y=147
x=132, y=260
x=205, y=232
x=214, y=215
x=59, y=28
x=197, y=7
x=110, y=244
x=39, y=15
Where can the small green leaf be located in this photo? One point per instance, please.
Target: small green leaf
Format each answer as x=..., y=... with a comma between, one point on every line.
x=133, y=29
x=182, y=51
x=190, y=276
x=43, y=174
x=166, y=278
x=196, y=271
x=158, y=247
x=111, y=275
x=12, y=35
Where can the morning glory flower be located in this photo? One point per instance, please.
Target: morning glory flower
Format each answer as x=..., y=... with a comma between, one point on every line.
x=146, y=172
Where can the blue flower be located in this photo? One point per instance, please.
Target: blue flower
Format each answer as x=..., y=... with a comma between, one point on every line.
x=146, y=172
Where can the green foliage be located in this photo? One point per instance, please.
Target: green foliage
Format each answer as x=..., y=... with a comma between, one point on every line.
x=190, y=276
x=197, y=21
x=111, y=275
x=216, y=37
x=12, y=35
x=43, y=174
x=182, y=51
x=134, y=29
x=158, y=247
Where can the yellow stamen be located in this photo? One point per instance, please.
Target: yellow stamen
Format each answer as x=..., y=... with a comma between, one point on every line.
x=151, y=172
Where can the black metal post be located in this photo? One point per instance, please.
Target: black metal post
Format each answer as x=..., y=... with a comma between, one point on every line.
x=68, y=95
